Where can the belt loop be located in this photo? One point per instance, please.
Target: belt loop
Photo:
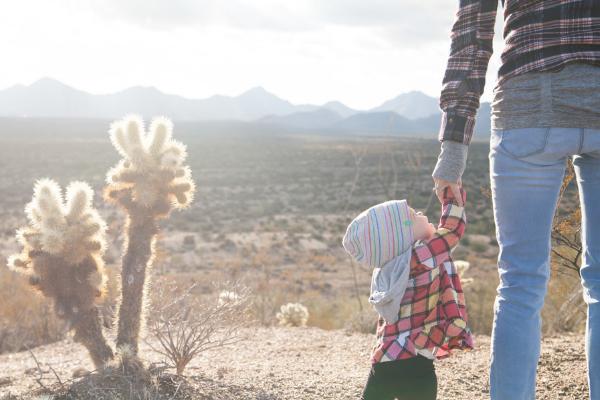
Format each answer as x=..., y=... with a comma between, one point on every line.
x=546, y=92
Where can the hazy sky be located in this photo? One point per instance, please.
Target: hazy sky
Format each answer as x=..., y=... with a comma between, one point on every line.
x=306, y=51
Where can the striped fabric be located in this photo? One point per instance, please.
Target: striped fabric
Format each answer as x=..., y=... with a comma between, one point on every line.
x=539, y=35
x=380, y=233
x=432, y=312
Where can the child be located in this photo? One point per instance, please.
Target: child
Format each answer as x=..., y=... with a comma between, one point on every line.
x=417, y=292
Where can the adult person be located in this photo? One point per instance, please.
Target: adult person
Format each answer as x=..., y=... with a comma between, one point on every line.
x=545, y=108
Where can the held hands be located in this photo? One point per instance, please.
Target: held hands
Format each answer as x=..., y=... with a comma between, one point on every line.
x=440, y=184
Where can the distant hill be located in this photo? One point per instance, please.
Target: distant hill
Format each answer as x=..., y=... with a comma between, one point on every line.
x=51, y=98
x=373, y=123
x=407, y=114
x=318, y=119
x=339, y=108
x=412, y=105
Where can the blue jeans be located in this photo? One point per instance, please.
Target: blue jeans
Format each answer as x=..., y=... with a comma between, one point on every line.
x=526, y=170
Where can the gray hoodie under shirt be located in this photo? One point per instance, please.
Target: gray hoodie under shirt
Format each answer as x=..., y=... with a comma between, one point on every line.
x=566, y=98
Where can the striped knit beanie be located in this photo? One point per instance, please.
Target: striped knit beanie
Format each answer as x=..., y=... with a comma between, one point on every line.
x=380, y=233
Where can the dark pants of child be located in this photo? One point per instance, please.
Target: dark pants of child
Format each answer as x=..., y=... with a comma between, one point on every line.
x=407, y=379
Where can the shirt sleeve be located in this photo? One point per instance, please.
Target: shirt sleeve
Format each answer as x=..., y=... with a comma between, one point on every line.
x=451, y=162
x=436, y=250
x=464, y=80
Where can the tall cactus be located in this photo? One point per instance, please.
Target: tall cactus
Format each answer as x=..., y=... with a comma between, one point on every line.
x=62, y=255
x=148, y=182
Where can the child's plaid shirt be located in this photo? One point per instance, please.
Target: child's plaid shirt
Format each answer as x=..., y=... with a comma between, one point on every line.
x=432, y=312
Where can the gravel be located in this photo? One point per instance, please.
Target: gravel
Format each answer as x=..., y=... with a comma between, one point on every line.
x=308, y=363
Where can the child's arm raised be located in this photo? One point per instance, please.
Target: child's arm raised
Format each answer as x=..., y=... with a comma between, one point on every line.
x=435, y=250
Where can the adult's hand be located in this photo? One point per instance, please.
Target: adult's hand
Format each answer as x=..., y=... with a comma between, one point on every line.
x=440, y=184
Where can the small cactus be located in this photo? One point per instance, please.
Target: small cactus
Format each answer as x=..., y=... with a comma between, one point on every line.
x=227, y=297
x=62, y=255
x=461, y=268
x=292, y=314
x=148, y=182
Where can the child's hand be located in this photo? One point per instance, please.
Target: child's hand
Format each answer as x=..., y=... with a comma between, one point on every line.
x=440, y=184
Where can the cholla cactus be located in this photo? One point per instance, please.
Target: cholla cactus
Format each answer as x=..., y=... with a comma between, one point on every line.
x=151, y=177
x=64, y=241
x=461, y=268
x=227, y=297
x=148, y=183
x=292, y=314
x=62, y=255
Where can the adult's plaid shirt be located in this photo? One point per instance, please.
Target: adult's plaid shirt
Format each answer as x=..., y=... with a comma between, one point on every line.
x=539, y=35
x=432, y=311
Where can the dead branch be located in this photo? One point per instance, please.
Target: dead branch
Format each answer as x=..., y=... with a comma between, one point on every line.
x=184, y=326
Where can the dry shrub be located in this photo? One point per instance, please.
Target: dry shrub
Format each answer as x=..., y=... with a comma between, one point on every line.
x=479, y=298
x=268, y=290
x=479, y=247
x=26, y=320
x=330, y=312
x=125, y=378
x=364, y=321
x=115, y=383
x=565, y=309
x=183, y=325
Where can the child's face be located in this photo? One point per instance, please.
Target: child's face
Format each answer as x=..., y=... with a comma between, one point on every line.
x=422, y=228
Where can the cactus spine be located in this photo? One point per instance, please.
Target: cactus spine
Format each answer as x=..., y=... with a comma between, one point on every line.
x=148, y=182
x=62, y=253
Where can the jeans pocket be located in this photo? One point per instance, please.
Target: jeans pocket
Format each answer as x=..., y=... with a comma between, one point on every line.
x=523, y=142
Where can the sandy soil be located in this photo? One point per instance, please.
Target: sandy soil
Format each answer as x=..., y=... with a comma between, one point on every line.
x=309, y=363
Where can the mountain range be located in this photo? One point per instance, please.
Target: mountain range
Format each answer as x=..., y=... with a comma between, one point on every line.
x=409, y=114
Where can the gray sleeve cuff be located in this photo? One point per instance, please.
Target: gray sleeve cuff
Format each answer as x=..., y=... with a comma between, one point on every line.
x=451, y=161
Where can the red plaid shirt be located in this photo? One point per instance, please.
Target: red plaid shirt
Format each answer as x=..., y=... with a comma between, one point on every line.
x=539, y=35
x=432, y=311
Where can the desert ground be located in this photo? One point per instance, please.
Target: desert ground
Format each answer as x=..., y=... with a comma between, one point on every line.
x=271, y=209
x=305, y=364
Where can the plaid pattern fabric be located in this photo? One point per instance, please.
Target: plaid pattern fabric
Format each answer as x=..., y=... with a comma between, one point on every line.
x=539, y=35
x=432, y=312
